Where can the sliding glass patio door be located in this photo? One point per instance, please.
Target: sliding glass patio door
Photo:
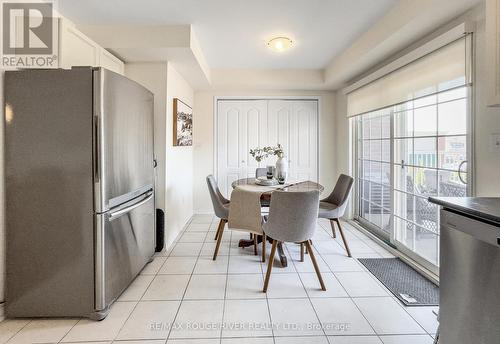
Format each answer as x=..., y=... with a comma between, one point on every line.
x=406, y=153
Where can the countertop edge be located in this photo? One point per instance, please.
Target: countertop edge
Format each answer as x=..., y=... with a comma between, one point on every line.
x=451, y=203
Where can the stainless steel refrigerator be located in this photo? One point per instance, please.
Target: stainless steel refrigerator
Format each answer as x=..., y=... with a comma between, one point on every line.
x=80, y=212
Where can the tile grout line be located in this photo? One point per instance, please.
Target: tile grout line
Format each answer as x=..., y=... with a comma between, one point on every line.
x=267, y=299
x=66, y=333
x=414, y=319
x=174, y=243
x=225, y=286
x=388, y=291
x=389, y=295
x=151, y=282
x=309, y=298
x=133, y=309
x=288, y=250
x=156, y=274
x=18, y=331
x=189, y=280
x=351, y=299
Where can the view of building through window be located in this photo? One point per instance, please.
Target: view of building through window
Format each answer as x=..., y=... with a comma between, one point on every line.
x=405, y=154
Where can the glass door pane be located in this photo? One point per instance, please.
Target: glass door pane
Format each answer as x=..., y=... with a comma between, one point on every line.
x=407, y=153
x=374, y=170
x=430, y=149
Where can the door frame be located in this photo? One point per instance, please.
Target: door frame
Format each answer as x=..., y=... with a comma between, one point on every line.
x=244, y=98
x=390, y=238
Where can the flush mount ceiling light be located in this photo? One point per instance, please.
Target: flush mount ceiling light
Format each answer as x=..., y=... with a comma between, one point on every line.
x=280, y=44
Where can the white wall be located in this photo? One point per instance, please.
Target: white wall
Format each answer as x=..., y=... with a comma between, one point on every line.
x=487, y=120
x=153, y=76
x=179, y=185
x=174, y=189
x=204, y=139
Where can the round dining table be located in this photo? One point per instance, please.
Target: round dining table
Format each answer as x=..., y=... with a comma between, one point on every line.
x=265, y=200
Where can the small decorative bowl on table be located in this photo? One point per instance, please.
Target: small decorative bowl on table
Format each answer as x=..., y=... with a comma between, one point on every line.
x=263, y=181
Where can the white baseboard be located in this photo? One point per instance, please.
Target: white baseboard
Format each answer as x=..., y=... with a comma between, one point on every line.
x=169, y=246
x=201, y=212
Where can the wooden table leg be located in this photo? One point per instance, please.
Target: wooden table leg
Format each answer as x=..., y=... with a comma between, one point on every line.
x=281, y=252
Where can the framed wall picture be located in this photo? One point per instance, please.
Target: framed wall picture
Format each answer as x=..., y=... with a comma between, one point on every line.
x=183, y=123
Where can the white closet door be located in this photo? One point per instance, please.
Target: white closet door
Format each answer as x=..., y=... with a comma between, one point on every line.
x=239, y=124
x=294, y=124
x=280, y=114
x=303, y=156
x=246, y=124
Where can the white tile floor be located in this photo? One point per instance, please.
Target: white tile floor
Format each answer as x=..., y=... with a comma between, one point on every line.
x=186, y=288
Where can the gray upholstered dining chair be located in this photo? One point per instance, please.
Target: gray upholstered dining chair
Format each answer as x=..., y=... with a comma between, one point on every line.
x=260, y=172
x=292, y=218
x=219, y=202
x=244, y=216
x=333, y=207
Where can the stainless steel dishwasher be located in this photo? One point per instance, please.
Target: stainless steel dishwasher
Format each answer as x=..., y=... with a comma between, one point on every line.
x=469, y=280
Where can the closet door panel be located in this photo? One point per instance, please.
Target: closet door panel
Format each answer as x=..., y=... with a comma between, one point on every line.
x=253, y=131
x=238, y=131
x=305, y=146
x=279, y=125
x=255, y=111
x=232, y=138
x=246, y=124
x=228, y=148
x=284, y=117
x=274, y=107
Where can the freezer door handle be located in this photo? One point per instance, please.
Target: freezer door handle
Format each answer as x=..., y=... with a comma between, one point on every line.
x=113, y=214
x=97, y=172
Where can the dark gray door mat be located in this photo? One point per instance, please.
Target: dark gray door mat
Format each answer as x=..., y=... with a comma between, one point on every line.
x=408, y=285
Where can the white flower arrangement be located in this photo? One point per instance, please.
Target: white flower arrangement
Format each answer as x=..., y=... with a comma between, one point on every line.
x=260, y=154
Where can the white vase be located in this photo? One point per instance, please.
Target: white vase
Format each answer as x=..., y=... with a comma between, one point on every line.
x=281, y=168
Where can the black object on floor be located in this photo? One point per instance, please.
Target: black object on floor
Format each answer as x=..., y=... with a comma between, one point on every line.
x=160, y=230
x=408, y=285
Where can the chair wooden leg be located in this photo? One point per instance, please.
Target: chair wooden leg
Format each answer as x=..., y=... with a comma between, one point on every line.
x=332, y=224
x=341, y=231
x=264, y=247
x=217, y=231
x=301, y=251
x=255, y=243
x=315, y=264
x=270, y=265
x=220, y=232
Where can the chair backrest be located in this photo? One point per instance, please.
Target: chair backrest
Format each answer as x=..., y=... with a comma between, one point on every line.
x=340, y=193
x=260, y=172
x=218, y=200
x=292, y=216
x=245, y=211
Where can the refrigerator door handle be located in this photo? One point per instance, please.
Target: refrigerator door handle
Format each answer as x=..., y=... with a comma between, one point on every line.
x=113, y=214
x=97, y=172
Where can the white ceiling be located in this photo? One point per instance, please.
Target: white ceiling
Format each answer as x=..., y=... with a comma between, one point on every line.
x=232, y=33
